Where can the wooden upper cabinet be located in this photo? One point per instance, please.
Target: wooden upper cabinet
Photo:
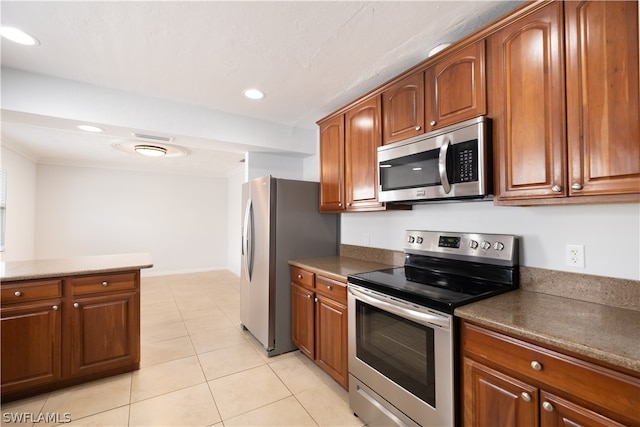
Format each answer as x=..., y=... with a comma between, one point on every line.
x=362, y=139
x=332, y=191
x=403, y=109
x=603, y=104
x=527, y=106
x=456, y=87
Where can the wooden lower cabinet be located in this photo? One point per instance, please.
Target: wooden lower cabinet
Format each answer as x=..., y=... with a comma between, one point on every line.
x=104, y=333
x=63, y=331
x=509, y=382
x=319, y=321
x=31, y=345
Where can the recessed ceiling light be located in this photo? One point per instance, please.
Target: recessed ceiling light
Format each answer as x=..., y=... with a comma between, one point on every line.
x=89, y=128
x=253, y=94
x=151, y=150
x=18, y=36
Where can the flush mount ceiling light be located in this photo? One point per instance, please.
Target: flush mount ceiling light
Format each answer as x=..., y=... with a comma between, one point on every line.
x=144, y=148
x=253, y=94
x=89, y=128
x=18, y=36
x=150, y=150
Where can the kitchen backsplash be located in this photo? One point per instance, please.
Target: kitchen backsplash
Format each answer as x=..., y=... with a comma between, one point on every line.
x=623, y=293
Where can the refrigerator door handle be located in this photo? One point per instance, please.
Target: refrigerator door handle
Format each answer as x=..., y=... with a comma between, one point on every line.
x=247, y=237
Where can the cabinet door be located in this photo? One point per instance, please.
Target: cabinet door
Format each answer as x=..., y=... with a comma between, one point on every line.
x=302, y=315
x=31, y=345
x=105, y=333
x=603, y=104
x=332, y=191
x=331, y=338
x=528, y=106
x=492, y=398
x=455, y=87
x=362, y=139
x=558, y=412
x=403, y=109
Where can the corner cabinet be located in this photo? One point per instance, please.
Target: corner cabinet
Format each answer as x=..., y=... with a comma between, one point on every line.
x=348, y=159
x=507, y=381
x=547, y=150
x=319, y=321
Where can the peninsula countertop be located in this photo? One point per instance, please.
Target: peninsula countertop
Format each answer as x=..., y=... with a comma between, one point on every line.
x=601, y=332
x=72, y=266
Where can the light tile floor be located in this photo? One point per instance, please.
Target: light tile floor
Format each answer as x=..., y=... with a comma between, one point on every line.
x=198, y=368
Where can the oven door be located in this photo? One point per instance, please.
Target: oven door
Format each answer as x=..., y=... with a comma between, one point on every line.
x=400, y=361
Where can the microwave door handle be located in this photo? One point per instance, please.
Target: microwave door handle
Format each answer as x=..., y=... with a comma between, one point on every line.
x=442, y=165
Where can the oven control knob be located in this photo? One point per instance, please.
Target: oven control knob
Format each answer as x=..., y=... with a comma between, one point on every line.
x=486, y=245
x=419, y=240
x=473, y=244
x=498, y=246
x=411, y=239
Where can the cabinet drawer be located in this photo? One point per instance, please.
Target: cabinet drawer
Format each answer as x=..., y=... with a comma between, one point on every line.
x=332, y=288
x=31, y=290
x=566, y=374
x=103, y=283
x=302, y=277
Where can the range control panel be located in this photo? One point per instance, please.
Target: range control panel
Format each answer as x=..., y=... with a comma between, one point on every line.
x=499, y=249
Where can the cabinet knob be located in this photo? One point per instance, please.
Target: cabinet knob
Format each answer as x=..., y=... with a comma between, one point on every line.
x=55, y=307
x=18, y=293
x=315, y=300
x=340, y=204
x=418, y=127
x=526, y=396
x=328, y=287
x=547, y=406
x=433, y=123
x=299, y=276
x=105, y=283
x=556, y=189
x=536, y=365
x=308, y=296
x=76, y=305
x=576, y=186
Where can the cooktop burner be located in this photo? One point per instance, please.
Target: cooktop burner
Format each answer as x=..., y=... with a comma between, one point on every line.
x=446, y=270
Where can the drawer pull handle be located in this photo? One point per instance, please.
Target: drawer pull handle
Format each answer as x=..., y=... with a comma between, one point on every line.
x=299, y=276
x=18, y=293
x=536, y=365
x=526, y=396
x=433, y=123
x=547, y=406
x=105, y=283
x=328, y=287
x=556, y=189
x=76, y=305
x=308, y=296
x=55, y=307
x=418, y=127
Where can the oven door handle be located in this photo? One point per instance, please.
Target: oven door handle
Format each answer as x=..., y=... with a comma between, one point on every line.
x=427, y=319
x=442, y=165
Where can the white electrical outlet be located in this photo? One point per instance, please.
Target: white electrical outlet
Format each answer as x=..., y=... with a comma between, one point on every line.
x=575, y=256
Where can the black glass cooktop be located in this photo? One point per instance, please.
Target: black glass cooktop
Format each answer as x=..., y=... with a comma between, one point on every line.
x=437, y=290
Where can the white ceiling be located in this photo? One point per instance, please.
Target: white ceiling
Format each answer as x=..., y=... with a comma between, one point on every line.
x=309, y=57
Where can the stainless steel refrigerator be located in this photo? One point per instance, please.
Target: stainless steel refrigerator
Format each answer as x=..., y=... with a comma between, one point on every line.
x=281, y=221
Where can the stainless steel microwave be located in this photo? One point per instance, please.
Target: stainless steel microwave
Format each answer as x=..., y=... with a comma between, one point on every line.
x=449, y=163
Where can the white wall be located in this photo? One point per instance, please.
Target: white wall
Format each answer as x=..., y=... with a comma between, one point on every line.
x=609, y=232
x=21, y=206
x=180, y=220
x=234, y=218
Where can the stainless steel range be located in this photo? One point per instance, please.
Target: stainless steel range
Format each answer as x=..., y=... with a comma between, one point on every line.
x=402, y=333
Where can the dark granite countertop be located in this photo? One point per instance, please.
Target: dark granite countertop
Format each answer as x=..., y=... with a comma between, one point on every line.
x=601, y=332
x=73, y=266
